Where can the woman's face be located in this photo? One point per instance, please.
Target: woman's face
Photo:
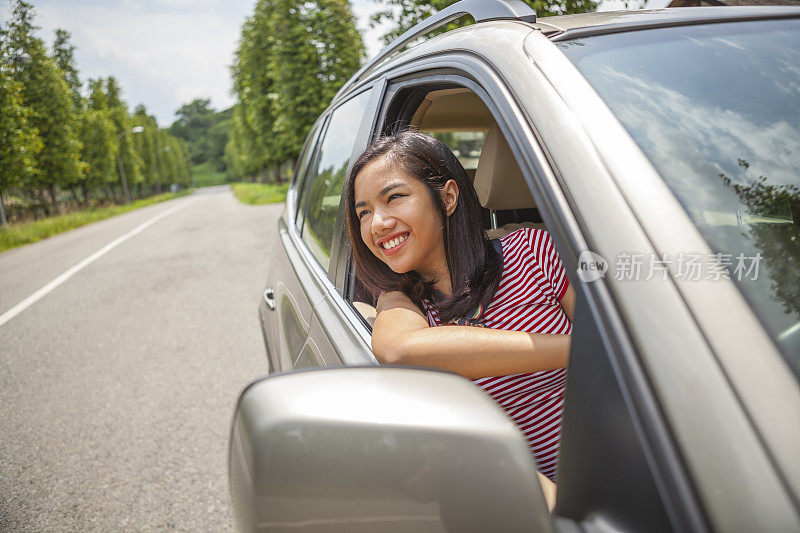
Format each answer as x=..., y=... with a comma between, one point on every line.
x=398, y=220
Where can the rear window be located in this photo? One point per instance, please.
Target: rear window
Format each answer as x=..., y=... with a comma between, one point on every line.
x=716, y=109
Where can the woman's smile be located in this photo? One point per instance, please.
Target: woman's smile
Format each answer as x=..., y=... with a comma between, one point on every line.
x=393, y=243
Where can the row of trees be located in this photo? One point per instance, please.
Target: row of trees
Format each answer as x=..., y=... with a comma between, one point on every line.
x=56, y=144
x=292, y=58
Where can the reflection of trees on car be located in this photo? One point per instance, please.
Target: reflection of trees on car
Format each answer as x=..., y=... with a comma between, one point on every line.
x=774, y=230
x=323, y=207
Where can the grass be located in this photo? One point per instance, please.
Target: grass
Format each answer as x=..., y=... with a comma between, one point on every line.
x=20, y=234
x=206, y=175
x=260, y=193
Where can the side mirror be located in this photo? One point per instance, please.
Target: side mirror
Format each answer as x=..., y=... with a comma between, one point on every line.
x=369, y=448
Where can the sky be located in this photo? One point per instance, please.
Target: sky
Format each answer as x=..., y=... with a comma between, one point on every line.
x=168, y=52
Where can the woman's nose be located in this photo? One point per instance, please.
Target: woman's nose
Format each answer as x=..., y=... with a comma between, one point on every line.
x=381, y=221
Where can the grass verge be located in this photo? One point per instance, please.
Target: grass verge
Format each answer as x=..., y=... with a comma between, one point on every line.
x=19, y=234
x=260, y=193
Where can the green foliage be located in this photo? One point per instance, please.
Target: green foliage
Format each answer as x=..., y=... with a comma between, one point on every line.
x=35, y=231
x=406, y=13
x=118, y=111
x=292, y=58
x=205, y=175
x=204, y=130
x=52, y=139
x=19, y=141
x=260, y=193
x=254, y=84
x=52, y=111
x=99, y=148
x=64, y=54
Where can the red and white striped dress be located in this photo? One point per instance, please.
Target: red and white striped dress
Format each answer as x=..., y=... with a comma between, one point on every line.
x=527, y=299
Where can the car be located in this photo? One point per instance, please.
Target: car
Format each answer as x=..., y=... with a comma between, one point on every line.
x=661, y=150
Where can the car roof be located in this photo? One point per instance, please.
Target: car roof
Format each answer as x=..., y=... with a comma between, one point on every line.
x=596, y=23
x=564, y=27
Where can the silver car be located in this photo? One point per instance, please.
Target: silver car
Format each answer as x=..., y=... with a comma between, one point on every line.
x=661, y=150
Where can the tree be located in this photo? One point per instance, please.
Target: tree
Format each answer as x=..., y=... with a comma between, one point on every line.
x=99, y=150
x=255, y=88
x=19, y=142
x=52, y=111
x=193, y=125
x=292, y=58
x=406, y=13
x=150, y=146
x=128, y=153
x=64, y=54
x=218, y=137
x=316, y=51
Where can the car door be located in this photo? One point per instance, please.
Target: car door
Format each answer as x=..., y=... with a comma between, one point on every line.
x=286, y=313
x=321, y=227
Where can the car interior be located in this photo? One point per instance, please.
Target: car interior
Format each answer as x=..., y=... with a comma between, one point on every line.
x=460, y=119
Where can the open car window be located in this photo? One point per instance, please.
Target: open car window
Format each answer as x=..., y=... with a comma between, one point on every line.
x=459, y=118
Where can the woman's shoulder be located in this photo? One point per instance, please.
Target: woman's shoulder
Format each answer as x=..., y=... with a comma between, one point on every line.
x=526, y=239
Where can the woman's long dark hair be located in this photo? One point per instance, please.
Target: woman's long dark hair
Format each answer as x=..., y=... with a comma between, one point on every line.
x=475, y=267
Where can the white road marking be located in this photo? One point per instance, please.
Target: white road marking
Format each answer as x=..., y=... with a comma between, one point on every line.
x=44, y=291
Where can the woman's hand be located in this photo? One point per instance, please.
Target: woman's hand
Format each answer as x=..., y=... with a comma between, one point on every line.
x=401, y=335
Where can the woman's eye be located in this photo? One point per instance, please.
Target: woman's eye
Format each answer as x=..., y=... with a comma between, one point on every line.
x=393, y=196
x=361, y=214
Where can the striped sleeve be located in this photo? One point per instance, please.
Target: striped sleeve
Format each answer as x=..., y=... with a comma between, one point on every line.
x=545, y=251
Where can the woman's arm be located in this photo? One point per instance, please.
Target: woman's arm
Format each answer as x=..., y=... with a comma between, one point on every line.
x=401, y=335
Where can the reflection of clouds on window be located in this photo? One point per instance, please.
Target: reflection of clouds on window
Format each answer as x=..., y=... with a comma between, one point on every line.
x=684, y=139
x=716, y=110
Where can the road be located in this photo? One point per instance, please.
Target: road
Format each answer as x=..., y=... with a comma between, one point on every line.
x=117, y=386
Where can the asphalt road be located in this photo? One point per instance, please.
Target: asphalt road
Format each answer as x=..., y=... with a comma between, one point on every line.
x=117, y=387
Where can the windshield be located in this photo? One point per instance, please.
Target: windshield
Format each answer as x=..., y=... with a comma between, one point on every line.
x=716, y=109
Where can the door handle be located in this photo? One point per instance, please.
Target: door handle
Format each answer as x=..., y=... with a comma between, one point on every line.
x=269, y=298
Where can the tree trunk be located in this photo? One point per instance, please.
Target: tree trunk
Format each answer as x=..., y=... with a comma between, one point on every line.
x=85, y=192
x=74, y=192
x=277, y=173
x=54, y=196
x=3, y=219
x=42, y=203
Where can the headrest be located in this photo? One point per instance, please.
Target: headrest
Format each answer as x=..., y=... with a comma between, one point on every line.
x=498, y=180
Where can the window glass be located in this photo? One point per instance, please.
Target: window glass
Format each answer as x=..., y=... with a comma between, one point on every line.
x=716, y=109
x=328, y=177
x=466, y=145
x=302, y=166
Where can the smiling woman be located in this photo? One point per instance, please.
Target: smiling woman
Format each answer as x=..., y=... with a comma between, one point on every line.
x=415, y=227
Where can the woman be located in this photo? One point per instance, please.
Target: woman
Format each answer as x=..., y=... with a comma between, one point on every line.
x=414, y=222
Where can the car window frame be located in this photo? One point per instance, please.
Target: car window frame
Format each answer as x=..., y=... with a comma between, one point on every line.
x=299, y=181
x=308, y=181
x=566, y=230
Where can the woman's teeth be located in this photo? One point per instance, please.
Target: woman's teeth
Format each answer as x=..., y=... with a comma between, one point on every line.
x=388, y=245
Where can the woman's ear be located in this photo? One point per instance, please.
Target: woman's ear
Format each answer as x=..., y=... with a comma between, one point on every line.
x=450, y=196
